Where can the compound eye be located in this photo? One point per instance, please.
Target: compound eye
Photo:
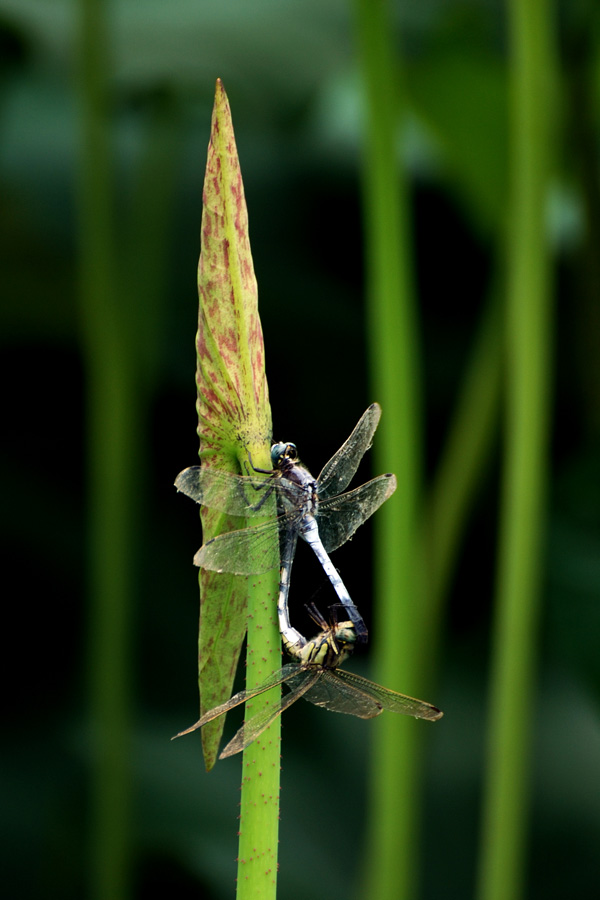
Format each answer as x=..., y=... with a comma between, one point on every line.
x=291, y=451
x=345, y=633
x=277, y=453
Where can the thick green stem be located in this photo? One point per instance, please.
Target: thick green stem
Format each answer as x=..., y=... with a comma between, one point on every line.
x=528, y=326
x=111, y=435
x=261, y=763
x=393, y=815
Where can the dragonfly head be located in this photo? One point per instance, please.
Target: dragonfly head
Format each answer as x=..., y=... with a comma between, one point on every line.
x=331, y=647
x=283, y=452
x=344, y=634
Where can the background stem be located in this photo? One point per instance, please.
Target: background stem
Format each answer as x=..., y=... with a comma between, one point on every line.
x=392, y=828
x=466, y=453
x=528, y=326
x=111, y=432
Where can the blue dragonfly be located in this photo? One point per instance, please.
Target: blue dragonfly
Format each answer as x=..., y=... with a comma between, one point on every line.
x=317, y=510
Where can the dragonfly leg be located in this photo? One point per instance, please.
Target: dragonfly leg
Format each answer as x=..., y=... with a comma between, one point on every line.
x=256, y=469
x=264, y=498
x=267, y=486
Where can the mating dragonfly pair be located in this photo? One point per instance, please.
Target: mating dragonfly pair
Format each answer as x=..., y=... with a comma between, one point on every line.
x=319, y=512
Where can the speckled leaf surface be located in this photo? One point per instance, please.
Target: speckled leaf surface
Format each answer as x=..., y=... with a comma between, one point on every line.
x=234, y=416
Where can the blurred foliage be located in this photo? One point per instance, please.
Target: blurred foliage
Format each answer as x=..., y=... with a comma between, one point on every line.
x=289, y=70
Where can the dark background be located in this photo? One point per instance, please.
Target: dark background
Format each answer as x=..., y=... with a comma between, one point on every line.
x=290, y=73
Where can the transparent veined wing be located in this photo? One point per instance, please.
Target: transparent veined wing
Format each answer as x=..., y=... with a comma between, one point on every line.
x=237, y=495
x=332, y=693
x=386, y=698
x=277, y=678
x=249, y=551
x=338, y=691
x=300, y=683
x=336, y=475
x=339, y=517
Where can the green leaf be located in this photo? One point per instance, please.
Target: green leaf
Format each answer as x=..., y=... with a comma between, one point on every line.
x=234, y=416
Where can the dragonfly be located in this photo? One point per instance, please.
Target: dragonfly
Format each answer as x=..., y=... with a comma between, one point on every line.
x=315, y=676
x=316, y=510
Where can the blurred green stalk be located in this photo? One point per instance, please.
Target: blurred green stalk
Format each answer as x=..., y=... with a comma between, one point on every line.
x=111, y=437
x=528, y=335
x=392, y=827
x=467, y=450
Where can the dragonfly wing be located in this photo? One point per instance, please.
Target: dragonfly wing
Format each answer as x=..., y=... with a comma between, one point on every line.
x=337, y=474
x=339, y=517
x=335, y=694
x=387, y=699
x=288, y=671
x=260, y=722
x=237, y=495
x=249, y=551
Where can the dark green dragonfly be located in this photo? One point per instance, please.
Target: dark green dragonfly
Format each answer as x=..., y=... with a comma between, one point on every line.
x=315, y=676
x=314, y=509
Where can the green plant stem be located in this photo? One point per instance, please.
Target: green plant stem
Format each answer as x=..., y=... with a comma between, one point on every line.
x=392, y=828
x=261, y=762
x=465, y=454
x=512, y=698
x=111, y=431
